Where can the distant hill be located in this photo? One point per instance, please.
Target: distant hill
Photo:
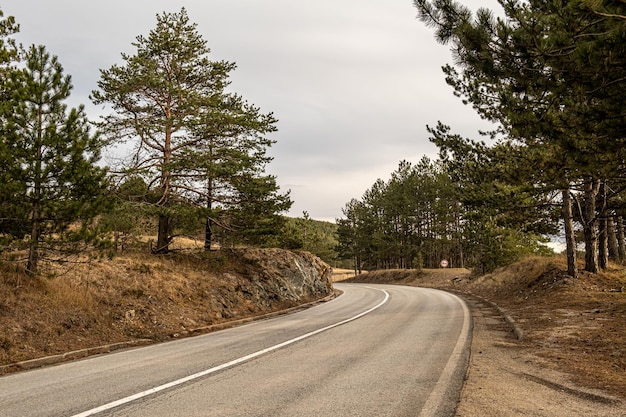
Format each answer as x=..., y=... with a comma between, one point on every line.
x=315, y=236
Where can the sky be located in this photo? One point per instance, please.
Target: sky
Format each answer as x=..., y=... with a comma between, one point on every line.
x=353, y=83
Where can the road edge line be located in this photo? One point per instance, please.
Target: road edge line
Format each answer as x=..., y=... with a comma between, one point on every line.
x=142, y=394
x=438, y=395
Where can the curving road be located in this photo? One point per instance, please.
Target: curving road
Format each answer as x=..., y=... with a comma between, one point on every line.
x=377, y=350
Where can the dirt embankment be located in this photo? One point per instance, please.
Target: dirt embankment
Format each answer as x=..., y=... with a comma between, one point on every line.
x=150, y=298
x=570, y=335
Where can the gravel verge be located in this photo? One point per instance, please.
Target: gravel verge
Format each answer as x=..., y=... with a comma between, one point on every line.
x=505, y=379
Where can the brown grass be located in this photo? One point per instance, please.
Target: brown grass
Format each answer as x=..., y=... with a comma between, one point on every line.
x=340, y=274
x=411, y=276
x=134, y=296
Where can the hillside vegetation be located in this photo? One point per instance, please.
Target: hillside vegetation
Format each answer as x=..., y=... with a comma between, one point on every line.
x=315, y=236
x=575, y=326
x=152, y=298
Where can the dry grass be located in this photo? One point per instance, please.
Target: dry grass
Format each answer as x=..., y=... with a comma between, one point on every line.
x=340, y=274
x=411, y=276
x=134, y=296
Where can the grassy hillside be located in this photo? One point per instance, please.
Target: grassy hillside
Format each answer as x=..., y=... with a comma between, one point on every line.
x=139, y=296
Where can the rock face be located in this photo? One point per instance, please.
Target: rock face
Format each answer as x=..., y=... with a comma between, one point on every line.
x=286, y=275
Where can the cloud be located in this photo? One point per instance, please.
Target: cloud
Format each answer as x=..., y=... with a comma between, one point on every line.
x=353, y=83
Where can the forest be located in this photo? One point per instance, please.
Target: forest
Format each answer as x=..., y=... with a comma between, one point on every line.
x=550, y=76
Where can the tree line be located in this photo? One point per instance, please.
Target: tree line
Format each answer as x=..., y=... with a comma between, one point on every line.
x=550, y=75
x=194, y=153
x=424, y=215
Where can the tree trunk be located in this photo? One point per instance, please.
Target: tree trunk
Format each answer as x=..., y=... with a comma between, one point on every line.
x=163, y=241
x=613, y=245
x=163, y=238
x=35, y=227
x=590, y=225
x=208, y=231
x=621, y=240
x=603, y=244
x=208, y=235
x=570, y=238
x=33, y=246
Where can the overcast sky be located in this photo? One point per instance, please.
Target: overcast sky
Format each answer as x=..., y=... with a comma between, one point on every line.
x=353, y=82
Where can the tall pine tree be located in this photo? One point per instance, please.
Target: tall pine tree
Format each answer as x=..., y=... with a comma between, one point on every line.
x=190, y=136
x=9, y=55
x=551, y=74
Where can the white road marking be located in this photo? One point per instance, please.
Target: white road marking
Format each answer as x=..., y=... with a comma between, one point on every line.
x=437, y=394
x=234, y=362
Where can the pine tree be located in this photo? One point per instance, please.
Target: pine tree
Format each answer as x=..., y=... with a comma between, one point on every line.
x=354, y=234
x=53, y=155
x=190, y=137
x=9, y=56
x=551, y=74
x=224, y=174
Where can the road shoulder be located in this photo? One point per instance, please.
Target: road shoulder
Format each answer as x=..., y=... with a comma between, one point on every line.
x=505, y=380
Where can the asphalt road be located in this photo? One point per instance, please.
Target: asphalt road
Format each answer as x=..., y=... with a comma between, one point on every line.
x=374, y=351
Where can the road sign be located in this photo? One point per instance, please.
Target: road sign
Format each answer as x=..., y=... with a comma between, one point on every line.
x=444, y=263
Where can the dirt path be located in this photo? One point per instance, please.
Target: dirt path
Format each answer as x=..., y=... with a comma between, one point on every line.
x=505, y=380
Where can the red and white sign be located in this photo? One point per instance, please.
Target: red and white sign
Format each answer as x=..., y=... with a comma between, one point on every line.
x=444, y=263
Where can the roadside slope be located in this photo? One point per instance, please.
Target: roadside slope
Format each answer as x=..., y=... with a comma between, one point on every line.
x=149, y=298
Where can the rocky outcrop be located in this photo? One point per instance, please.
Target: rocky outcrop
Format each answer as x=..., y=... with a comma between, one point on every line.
x=293, y=276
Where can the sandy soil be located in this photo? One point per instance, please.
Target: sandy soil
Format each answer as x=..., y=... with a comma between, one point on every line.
x=507, y=379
